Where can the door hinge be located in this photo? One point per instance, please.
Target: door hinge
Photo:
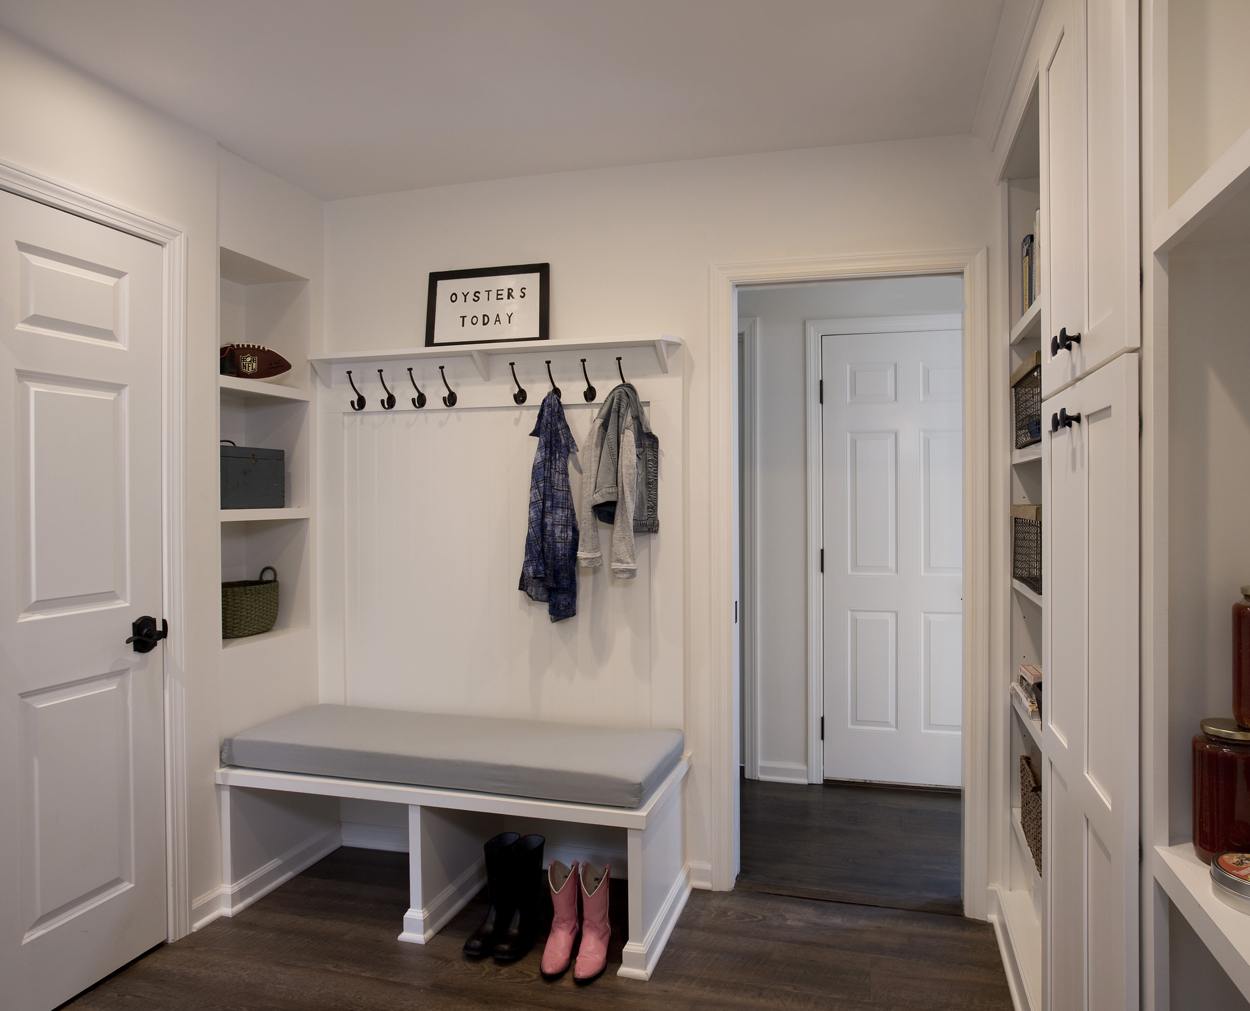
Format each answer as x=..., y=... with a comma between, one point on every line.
x=822, y=728
x=822, y=559
x=735, y=612
x=821, y=393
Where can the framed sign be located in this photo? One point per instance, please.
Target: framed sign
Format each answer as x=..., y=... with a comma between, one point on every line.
x=487, y=304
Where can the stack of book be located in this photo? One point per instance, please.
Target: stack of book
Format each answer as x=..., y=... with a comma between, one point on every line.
x=1028, y=686
x=1030, y=258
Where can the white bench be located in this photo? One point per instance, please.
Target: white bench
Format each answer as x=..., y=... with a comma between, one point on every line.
x=446, y=870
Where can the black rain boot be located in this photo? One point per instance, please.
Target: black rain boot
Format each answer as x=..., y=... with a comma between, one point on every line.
x=523, y=928
x=502, y=911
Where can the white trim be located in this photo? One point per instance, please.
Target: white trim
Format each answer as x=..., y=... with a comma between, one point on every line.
x=455, y=800
x=815, y=329
x=723, y=280
x=700, y=874
x=638, y=959
x=750, y=590
x=238, y=895
x=784, y=772
x=815, y=580
x=388, y=838
x=172, y=240
x=422, y=924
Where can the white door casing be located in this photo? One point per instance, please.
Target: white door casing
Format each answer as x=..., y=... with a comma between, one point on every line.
x=892, y=451
x=1090, y=656
x=82, y=871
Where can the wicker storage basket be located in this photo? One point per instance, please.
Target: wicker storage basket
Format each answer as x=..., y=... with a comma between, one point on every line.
x=1026, y=546
x=249, y=606
x=1031, y=809
x=1026, y=397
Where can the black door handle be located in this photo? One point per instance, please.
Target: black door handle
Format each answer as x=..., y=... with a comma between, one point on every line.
x=145, y=635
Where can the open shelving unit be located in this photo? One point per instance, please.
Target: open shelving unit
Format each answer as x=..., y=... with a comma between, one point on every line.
x=265, y=304
x=1196, y=383
x=1019, y=887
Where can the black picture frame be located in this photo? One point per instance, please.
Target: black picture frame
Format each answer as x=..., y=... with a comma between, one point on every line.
x=542, y=270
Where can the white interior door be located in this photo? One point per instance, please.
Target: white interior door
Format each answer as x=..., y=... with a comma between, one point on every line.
x=82, y=834
x=892, y=420
x=1091, y=575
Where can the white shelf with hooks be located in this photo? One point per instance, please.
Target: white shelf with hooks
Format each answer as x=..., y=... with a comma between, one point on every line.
x=482, y=355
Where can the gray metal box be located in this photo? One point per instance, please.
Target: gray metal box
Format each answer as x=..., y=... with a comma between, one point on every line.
x=252, y=478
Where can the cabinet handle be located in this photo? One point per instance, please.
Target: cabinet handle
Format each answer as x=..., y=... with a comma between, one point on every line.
x=1063, y=341
x=1063, y=420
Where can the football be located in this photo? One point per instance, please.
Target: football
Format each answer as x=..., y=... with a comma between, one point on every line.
x=252, y=361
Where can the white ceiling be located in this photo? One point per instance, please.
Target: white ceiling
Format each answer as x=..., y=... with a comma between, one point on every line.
x=351, y=98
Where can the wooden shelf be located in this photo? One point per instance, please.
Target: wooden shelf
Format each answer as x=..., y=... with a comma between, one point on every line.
x=265, y=637
x=1030, y=454
x=256, y=391
x=1023, y=928
x=482, y=354
x=1028, y=326
x=1033, y=727
x=1215, y=210
x=1224, y=930
x=263, y=515
x=1026, y=593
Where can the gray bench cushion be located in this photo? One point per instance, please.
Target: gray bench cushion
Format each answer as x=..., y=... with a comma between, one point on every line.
x=517, y=758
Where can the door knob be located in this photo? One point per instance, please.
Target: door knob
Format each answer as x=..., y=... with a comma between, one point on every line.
x=145, y=635
x=1068, y=420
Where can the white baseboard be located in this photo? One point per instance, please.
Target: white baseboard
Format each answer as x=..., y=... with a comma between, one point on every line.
x=1011, y=968
x=422, y=924
x=784, y=772
x=638, y=959
x=229, y=899
x=700, y=874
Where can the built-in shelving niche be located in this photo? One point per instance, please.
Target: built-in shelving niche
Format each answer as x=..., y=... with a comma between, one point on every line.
x=264, y=304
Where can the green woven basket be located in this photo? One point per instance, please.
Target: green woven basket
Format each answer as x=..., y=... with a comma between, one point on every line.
x=249, y=606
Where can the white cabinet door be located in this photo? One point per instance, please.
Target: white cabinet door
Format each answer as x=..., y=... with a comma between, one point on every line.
x=1090, y=781
x=1091, y=191
x=82, y=811
x=892, y=446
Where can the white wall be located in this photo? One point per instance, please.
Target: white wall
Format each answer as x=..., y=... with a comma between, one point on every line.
x=781, y=625
x=630, y=251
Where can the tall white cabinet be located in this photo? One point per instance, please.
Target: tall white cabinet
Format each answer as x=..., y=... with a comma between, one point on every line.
x=1076, y=106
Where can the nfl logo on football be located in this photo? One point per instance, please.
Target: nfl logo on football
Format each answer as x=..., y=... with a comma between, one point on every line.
x=248, y=364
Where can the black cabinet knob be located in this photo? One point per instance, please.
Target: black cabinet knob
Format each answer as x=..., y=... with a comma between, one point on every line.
x=1063, y=341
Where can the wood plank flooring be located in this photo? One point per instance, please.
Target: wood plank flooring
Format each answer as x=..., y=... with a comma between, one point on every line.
x=326, y=939
x=872, y=845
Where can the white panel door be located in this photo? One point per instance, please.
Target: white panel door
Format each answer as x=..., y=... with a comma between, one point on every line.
x=893, y=555
x=1090, y=853
x=82, y=836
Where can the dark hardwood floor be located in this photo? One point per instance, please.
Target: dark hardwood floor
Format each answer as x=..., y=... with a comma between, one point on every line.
x=871, y=845
x=326, y=939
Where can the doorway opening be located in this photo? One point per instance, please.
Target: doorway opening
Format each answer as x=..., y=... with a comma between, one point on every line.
x=851, y=573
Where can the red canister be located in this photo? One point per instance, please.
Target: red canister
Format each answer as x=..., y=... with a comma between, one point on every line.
x=1221, y=789
x=1241, y=659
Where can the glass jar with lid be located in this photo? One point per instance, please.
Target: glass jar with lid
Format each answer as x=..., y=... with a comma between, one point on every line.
x=1221, y=756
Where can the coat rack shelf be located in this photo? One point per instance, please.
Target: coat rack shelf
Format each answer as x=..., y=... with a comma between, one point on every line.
x=482, y=355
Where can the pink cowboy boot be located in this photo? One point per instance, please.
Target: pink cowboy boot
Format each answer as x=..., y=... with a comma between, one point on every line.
x=559, y=950
x=592, y=955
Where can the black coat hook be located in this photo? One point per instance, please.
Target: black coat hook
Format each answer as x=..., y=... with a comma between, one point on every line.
x=520, y=396
x=590, y=392
x=554, y=388
x=357, y=402
x=620, y=370
x=450, y=399
x=387, y=402
x=419, y=400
